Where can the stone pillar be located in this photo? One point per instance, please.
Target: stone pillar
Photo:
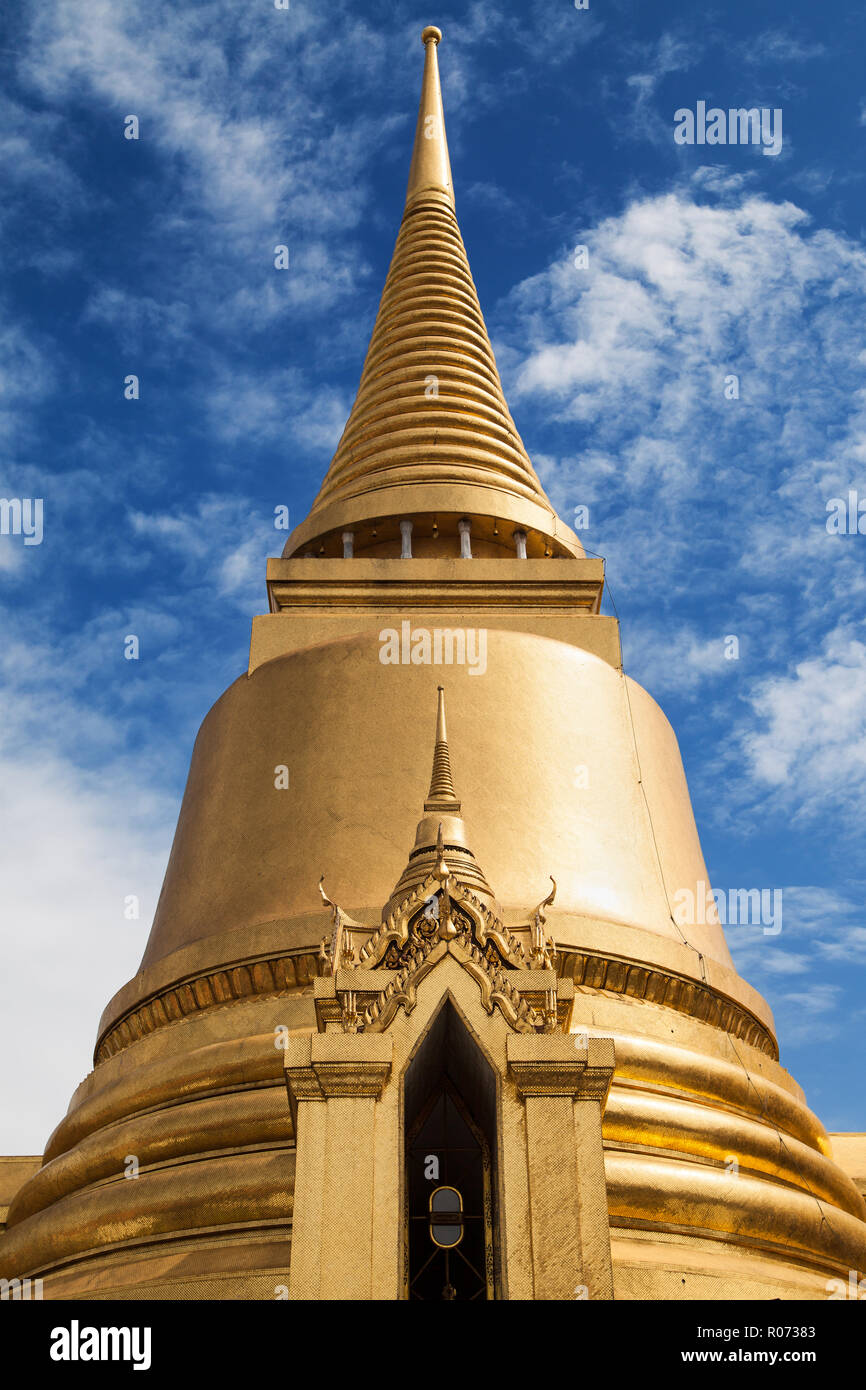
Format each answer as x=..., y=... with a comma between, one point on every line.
x=343, y=1194
x=564, y=1088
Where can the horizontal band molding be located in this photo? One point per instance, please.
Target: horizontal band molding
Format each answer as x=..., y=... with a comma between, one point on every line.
x=284, y=973
x=291, y=971
x=613, y=975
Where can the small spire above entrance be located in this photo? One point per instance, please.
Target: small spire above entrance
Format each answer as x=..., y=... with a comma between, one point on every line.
x=442, y=796
x=441, y=833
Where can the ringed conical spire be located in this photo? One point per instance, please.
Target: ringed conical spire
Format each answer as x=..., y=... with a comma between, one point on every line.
x=430, y=435
x=442, y=796
x=441, y=832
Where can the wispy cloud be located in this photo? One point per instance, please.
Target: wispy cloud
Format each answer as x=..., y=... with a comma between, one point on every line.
x=810, y=1016
x=81, y=860
x=809, y=746
x=27, y=376
x=670, y=53
x=703, y=374
x=822, y=931
x=780, y=47
x=223, y=545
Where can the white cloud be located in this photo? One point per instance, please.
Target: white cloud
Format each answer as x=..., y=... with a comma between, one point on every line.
x=138, y=320
x=810, y=1016
x=75, y=846
x=682, y=659
x=809, y=746
x=657, y=59
x=780, y=46
x=720, y=179
x=86, y=826
x=172, y=68
x=849, y=947
x=821, y=927
x=38, y=183
x=703, y=500
x=224, y=543
x=783, y=963
x=27, y=375
x=278, y=405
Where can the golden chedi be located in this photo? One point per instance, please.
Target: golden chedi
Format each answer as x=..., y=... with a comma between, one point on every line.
x=372, y=1051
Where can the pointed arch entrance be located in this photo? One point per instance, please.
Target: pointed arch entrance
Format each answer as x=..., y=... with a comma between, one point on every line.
x=450, y=1178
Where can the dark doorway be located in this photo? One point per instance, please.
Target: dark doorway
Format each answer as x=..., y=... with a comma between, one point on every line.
x=450, y=1179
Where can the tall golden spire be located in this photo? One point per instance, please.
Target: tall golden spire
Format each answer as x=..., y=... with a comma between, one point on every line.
x=430, y=437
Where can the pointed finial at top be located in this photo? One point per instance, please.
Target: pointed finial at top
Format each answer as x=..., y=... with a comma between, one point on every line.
x=442, y=796
x=431, y=167
x=441, y=735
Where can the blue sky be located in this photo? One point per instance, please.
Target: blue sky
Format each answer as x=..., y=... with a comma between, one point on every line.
x=155, y=257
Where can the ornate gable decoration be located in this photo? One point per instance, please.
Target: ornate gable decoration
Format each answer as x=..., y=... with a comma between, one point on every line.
x=441, y=916
x=442, y=905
